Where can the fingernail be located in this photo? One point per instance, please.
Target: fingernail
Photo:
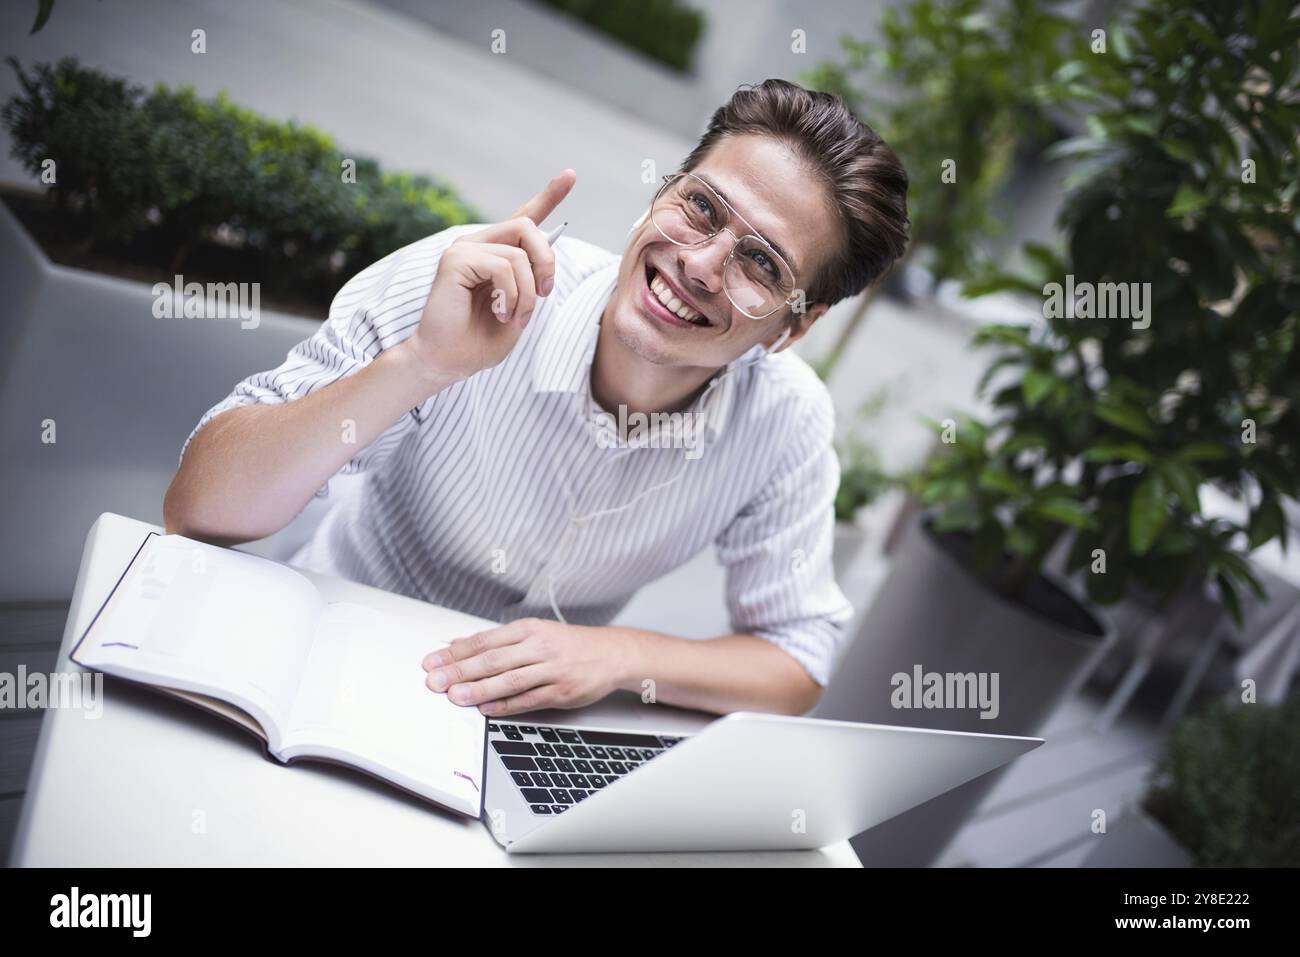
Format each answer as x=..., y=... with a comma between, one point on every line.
x=547, y=286
x=460, y=695
x=439, y=679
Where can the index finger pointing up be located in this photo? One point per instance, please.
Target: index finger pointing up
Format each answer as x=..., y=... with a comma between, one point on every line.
x=552, y=194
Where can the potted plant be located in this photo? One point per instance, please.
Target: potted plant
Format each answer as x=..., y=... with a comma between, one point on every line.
x=1224, y=794
x=1104, y=428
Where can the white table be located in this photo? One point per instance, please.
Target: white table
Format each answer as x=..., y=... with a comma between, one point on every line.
x=154, y=781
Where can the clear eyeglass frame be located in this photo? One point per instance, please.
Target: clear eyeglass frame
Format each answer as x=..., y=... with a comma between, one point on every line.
x=738, y=238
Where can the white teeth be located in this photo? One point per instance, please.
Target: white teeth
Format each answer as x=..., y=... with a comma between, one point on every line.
x=671, y=302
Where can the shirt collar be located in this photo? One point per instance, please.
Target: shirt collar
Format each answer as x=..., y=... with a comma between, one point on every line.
x=568, y=346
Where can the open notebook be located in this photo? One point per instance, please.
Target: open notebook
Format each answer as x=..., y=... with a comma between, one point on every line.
x=255, y=642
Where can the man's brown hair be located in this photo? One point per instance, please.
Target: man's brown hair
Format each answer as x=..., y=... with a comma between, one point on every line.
x=866, y=180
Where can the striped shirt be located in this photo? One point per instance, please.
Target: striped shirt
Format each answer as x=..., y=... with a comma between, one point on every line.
x=500, y=497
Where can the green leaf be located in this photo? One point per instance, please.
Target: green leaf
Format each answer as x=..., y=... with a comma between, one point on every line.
x=1201, y=452
x=1037, y=386
x=1127, y=418
x=1186, y=201
x=1118, y=452
x=1066, y=511
x=1148, y=512
x=1185, y=481
x=1180, y=150
x=43, y=10
x=1228, y=594
x=1266, y=522
x=998, y=480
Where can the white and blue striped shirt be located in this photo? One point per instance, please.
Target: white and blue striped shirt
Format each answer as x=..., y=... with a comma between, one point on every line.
x=496, y=492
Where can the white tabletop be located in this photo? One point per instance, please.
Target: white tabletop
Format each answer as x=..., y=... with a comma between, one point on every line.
x=153, y=781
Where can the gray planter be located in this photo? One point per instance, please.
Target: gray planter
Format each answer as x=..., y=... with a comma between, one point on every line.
x=1138, y=840
x=84, y=351
x=932, y=613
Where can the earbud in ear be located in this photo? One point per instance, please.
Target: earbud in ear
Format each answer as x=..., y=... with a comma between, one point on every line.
x=637, y=225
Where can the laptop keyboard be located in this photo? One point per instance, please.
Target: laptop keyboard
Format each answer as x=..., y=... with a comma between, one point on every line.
x=555, y=768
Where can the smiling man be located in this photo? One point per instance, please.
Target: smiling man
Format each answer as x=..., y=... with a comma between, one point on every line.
x=479, y=378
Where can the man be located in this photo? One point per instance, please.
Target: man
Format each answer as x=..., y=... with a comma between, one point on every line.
x=483, y=380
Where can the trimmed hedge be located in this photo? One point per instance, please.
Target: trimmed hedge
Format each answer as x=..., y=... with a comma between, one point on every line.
x=665, y=30
x=159, y=175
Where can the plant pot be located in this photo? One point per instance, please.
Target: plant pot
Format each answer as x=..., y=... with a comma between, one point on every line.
x=1138, y=840
x=933, y=613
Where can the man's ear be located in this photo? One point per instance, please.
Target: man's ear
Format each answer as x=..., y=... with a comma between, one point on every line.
x=799, y=324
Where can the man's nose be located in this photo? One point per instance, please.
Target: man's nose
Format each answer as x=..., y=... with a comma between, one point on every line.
x=703, y=264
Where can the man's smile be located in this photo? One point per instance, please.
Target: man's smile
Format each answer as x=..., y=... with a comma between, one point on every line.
x=666, y=302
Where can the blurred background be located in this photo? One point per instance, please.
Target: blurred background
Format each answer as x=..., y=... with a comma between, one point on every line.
x=1094, y=508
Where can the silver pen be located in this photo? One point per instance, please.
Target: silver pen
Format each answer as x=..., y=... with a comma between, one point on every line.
x=554, y=234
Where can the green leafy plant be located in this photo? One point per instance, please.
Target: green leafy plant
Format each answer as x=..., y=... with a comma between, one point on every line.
x=666, y=30
x=156, y=174
x=1227, y=785
x=1105, y=428
x=956, y=87
x=862, y=479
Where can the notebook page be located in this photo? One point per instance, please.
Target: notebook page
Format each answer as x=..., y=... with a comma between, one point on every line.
x=363, y=693
x=209, y=619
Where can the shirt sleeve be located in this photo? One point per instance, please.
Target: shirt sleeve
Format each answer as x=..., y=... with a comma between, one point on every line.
x=777, y=553
x=375, y=310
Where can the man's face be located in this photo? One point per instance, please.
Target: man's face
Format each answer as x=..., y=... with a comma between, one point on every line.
x=765, y=183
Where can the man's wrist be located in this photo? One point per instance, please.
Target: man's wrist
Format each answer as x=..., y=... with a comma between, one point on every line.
x=629, y=658
x=415, y=377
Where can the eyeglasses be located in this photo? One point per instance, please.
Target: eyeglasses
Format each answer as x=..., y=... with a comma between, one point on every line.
x=688, y=211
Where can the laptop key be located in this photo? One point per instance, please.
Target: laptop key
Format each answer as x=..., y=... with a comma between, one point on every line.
x=600, y=766
x=543, y=764
x=518, y=763
x=527, y=729
x=559, y=780
x=541, y=779
x=597, y=781
x=514, y=747
x=578, y=780
x=598, y=752
x=583, y=766
x=564, y=751
x=493, y=727
x=522, y=778
x=546, y=749
x=618, y=767
x=561, y=796
x=581, y=752
x=563, y=764
x=536, y=795
x=569, y=737
x=616, y=753
x=548, y=735
x=540, y=808
x=512, y=734
x=577, y=795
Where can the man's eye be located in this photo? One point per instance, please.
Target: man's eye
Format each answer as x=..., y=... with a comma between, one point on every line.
x=700, y=205
x=764, y=262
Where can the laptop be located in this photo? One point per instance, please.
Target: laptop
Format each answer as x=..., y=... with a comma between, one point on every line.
x=745, y=782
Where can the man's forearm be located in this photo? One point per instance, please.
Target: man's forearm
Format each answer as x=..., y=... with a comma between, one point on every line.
x=252, y=469
x=719, y=675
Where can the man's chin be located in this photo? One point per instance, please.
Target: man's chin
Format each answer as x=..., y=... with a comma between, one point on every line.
x=636, y=331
